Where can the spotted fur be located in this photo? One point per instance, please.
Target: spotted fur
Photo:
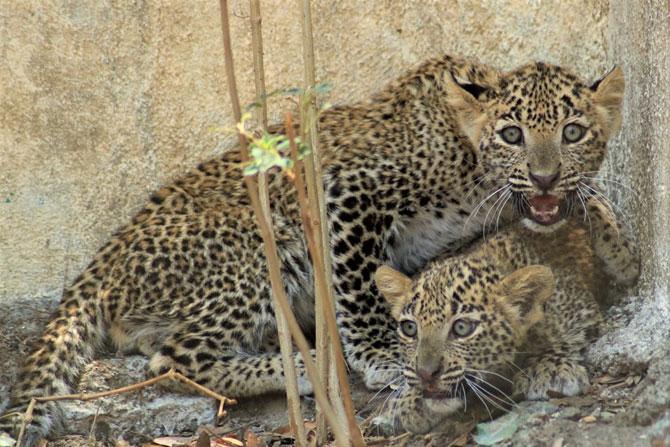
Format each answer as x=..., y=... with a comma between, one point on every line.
x=531, y=323
x=414, y=171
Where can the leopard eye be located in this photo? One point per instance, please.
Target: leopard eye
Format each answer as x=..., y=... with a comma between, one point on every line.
x=512, y=135
x=408, y=328
x=462, y=328
x=572, y=133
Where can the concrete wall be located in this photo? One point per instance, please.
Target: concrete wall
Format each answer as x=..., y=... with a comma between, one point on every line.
x=639, y=178
x=102, y=101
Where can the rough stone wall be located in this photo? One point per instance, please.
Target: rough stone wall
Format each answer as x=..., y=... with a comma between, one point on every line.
x=638, y=176
x=102, y=101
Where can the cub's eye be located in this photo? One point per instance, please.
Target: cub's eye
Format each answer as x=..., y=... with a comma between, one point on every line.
x=572, y=133
x=462, y=328
x=512, y=135
x=408, y=328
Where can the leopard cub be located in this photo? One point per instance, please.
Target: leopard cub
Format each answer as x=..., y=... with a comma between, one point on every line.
x=518, y=309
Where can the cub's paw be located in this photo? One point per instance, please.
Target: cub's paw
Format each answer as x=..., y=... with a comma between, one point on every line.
x=565, y=377
x=420, y=415
x=626, y=271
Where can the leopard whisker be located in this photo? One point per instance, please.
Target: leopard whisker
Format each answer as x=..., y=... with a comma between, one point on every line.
x=580, y=195
x=395, y=407
x=479, y=206
x=479, y=396
x=609, y=205
x=503, y=397
x=502, y=207
x=480, y=371
x=614, y=182
x=521, y=371
x=503, y=194
x=493, y=399
x=461, y=386
x=388, y=385
x=477, y=181
x=605, y=200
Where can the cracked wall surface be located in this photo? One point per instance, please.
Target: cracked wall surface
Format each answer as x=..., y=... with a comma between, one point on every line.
x=103, y=101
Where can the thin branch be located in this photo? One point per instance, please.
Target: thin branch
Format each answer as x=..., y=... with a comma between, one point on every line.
x=285, y=344
x=170, y=375
x=259, y=70
x=27, y=419
x=311, y=226
x=281, y=301
x=324, y=286
x=324, y=351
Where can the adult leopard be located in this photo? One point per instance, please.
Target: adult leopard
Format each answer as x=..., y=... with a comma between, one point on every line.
x=420, y=168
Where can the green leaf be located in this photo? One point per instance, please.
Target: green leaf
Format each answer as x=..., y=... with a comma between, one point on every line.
x=250, y=170
x=6, y=440
x=252, y=106
x=490, y=433
x=322, y=88
x=303, y=150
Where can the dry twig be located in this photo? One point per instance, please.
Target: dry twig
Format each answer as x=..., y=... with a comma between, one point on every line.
x=323, y=274
x=170, y=375
x=286, y=347
x=279, y=294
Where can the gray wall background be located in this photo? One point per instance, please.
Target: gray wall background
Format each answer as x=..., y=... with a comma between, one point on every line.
x=103, y=101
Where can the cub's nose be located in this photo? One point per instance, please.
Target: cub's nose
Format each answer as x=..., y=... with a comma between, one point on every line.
x=545, y=182
x=430, y=374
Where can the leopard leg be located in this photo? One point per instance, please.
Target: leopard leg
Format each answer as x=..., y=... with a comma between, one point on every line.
x=558, y=366
x=611, y=242
x=223, y=368
x=366, y=327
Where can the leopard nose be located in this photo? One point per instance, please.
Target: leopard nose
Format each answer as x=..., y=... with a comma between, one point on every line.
x=430, y=374
x=545, y=182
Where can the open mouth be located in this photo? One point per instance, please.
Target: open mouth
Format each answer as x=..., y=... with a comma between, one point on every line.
x=545, y=209
x=428, y=394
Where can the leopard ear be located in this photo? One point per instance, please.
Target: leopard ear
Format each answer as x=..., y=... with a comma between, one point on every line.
x=394, y=287
x=608, y=93
x=464, y=99
x=522, y=295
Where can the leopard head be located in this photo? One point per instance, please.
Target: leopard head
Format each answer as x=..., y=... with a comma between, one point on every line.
x=541, y=135
x=461, y=323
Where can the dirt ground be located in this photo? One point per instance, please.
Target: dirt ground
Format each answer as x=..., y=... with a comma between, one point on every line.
x=631, y=408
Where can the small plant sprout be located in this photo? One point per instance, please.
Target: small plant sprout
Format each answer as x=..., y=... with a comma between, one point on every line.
x=269, y=151
x=272, y=150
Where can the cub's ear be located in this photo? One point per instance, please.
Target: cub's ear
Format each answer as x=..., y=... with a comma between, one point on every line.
x=522, y=294
x=608, y=99
x=394, y=287
x=463, y=97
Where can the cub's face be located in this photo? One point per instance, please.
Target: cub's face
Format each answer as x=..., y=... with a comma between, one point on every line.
x=541, y=135
x=461, y=322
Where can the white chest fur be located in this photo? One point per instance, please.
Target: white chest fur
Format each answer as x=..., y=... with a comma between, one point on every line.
x=424, y=236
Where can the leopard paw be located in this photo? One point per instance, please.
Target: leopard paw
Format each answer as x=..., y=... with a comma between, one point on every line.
x=420, y=415
x=565, y=377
